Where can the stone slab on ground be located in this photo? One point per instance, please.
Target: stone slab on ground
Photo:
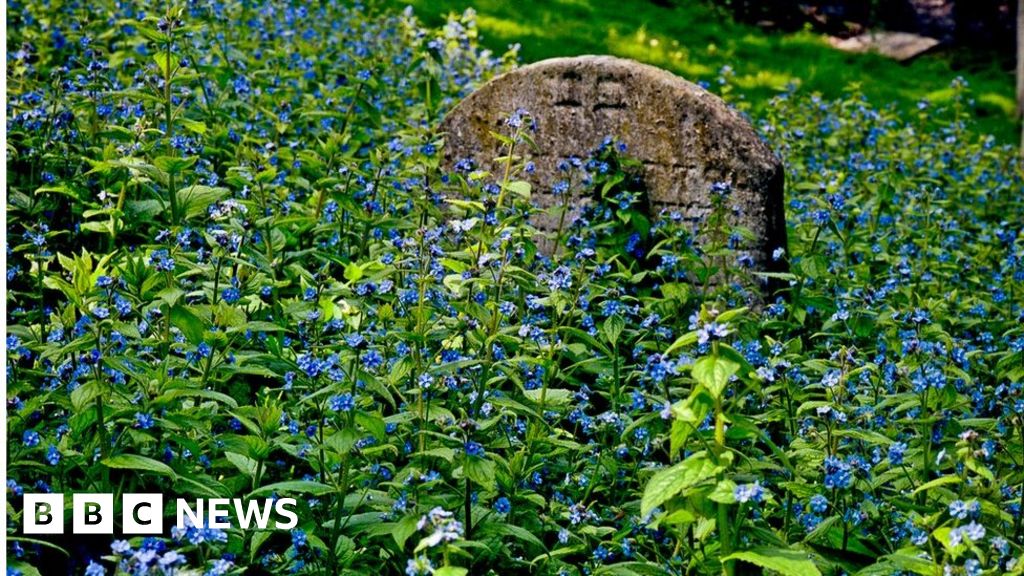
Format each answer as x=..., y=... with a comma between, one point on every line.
x=900, y=46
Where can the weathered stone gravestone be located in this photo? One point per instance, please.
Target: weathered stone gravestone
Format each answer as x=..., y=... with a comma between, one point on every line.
x=686, y=137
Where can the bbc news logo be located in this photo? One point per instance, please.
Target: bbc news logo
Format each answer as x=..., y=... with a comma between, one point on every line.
x=143, y=513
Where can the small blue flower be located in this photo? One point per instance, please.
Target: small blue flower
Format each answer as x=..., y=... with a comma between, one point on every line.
x=372, y=359
x=749, y=492
x=231, y=295
x=30, y=438
x=143, y=421
x=53, y=455
x=474, y=449
x=896, y=453
x=342, y=403
x=818, y=504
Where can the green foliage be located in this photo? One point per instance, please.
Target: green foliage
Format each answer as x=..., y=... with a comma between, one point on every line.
x=237, y=269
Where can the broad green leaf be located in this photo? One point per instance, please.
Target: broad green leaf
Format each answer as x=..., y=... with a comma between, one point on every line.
x=245, y=465
x=193, y=125
x=724, y=492
x=136, y=462
x=174, y=164
x=631, y=569
x=520, y=188
x=714, y=373
x=480, y=471
x=901, y=561
x=687, y=416
x=552, y=396
x=941, y=481
x=308, y=487
x=197, y=199
x=451, y=571
x=189, y=323
x=612, y=328
x=784, y=561
x=353, y=272
x=683, y=341
x=517, y=532
x=669, y=482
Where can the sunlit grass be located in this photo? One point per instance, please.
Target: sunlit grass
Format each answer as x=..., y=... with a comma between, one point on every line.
x=696, y=40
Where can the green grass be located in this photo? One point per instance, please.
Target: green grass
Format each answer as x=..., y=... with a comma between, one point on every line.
x=695, y=40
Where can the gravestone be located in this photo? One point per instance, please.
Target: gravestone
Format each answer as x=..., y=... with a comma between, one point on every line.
x=686, y=138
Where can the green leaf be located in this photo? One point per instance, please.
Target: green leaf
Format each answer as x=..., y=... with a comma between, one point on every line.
x=520, y=188
x=687, y=415
x=245, y=465
x=631, y=569
x=676, y=291
x=681, y=342
x=84, y=394
x=517, y=532
x=197, y=199
x=190, y=325
x=193, y=125
x=372, y=423
x=480, y=471
x=714, y=373
x=612, y=328
x=724, y=492
x=174, y=164
x=781, y=560
x=353, y=272
x=136, y=462
x=294, y=486
x=403, y=529
x=451, y=571
x=667, y=483
x=552, y=396
x=901, y=561
x=163, y=62
x=25, y=568
x=942, y=481
x=257, y=541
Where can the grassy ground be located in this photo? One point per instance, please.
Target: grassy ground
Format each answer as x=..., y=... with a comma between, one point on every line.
x=695, y=40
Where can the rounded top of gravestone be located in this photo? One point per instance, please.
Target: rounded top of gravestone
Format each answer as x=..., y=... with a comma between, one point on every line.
x=686, y=137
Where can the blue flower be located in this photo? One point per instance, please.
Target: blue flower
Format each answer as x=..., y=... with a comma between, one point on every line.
x=419, y=566
x=749, y=492
x=502, y=505
x=818, y=504
x=52, y=455
x=896, y=452
x=342, y=403
x=372, y=359
x=143, y=421
x=161, y=260
x=721, y=189
x=838, y=474
x=30, y=438
x=120, y=547
x=711, y=331
x=963, y=510
x=474, y=449
x=231, y=295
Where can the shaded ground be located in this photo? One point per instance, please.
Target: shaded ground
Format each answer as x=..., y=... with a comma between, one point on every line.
x=696, y=40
